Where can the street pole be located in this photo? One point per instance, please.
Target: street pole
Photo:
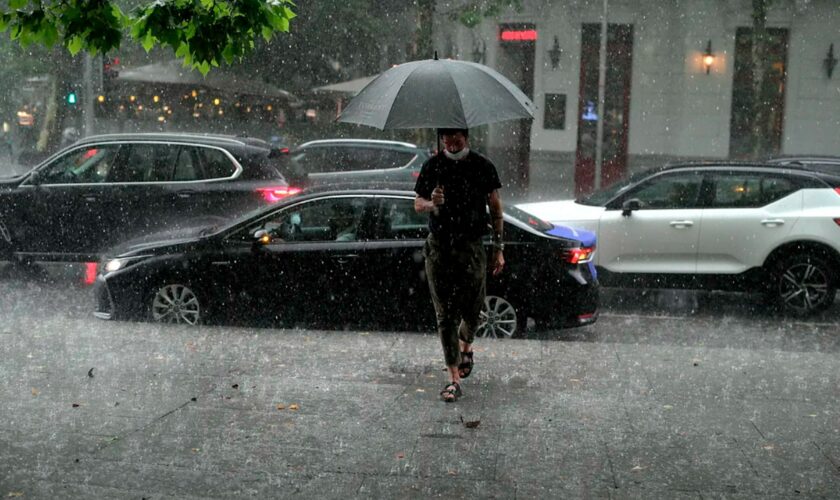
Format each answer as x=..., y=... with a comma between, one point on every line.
x=87, y=100
x=602, y=84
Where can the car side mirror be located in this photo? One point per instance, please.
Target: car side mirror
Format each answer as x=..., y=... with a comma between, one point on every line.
x=629, y=206
x=36, y=178
x=261, y=238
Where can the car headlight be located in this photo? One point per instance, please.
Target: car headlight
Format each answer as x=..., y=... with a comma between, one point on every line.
x=113, y=265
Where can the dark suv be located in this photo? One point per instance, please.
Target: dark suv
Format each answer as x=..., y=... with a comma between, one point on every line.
x=106, y=188
x=357, y=161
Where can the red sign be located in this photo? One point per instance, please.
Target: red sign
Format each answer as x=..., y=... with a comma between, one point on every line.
x=518, y=35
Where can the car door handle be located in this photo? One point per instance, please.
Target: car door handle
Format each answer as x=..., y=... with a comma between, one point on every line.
x=185, y=193
x=346, y=258
x=681, y=224
x=772, y=222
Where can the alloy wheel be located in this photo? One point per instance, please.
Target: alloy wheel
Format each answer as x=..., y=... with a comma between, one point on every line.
x=176, y=304
x=804, y=287
x=497, y=318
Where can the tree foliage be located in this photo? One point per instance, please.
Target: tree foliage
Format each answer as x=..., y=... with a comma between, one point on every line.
x=202, y=33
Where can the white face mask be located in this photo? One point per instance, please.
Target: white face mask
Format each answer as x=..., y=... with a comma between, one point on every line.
x=460, y=155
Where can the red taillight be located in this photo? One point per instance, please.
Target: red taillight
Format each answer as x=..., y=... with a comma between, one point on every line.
x=583, y=318
x=837, y=190
x=837, y=221
x=284, y=151
x=274, y=194
x=578, y=255
x=415, y=174
x=90, y=273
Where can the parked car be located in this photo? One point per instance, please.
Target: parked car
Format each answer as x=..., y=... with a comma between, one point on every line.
x=719, y=225
x=106, y=188
x=346, y=256
x=360, y=161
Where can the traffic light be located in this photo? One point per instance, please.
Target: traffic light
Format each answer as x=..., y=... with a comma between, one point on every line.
x=72, y=98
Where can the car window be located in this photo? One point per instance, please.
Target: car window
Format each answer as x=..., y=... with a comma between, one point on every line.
x=749, y=190
x=146, y=163
x=217, y=165
x=669, y=191
x=186, y=167
x=389, y=158
x=332, y=219
x=90, y=164
x=399, y=221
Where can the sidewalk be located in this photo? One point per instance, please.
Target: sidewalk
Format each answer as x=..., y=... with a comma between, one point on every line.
x=224, y=412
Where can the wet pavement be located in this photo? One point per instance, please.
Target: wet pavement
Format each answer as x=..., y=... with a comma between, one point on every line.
x=700, y=397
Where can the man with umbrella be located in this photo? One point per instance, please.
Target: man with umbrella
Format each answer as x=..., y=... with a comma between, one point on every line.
x=456, y=187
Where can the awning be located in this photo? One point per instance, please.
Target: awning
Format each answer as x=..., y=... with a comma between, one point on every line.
x=350, y=87
x=174, y=73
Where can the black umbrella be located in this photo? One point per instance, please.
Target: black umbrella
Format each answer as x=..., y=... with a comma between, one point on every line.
x=437, y=93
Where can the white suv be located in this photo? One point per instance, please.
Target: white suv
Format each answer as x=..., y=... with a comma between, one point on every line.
x=728, y=226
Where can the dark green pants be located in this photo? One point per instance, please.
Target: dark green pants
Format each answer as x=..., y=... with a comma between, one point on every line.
x=457, y=280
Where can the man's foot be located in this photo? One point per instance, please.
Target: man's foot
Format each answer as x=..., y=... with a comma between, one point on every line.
x=451, y=392
x=466, y=366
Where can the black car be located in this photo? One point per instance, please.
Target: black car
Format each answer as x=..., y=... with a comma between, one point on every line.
x=342, y=256
x=106, y=188
x=356, y=161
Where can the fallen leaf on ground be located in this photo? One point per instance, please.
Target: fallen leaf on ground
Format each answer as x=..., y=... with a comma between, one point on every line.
x=35, y=391
x=575, y=380
x=90, y=373
x=768, y=447
x=472, y=424
x=294, y=407
x=638, y=468
x=668, y=407
x=235, y=386
x=196, y=450
x=281, y=407
x=15, y=494
x=421, y=390
x=452, y=472
x=76, y=405
x=400, y=455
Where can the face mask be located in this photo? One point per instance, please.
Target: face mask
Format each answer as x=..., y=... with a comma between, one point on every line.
x=460, y=155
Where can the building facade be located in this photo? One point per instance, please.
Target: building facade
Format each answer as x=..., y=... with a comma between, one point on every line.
x=678, y=85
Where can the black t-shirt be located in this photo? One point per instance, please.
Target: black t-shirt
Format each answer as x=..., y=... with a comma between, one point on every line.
x=466, y=184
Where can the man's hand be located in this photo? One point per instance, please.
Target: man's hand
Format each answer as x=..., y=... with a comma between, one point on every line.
x=437, y=196
x=498, y=262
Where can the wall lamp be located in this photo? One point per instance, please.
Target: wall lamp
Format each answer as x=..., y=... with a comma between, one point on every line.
x=708, y=57
x=554, y=54
x=479, y=52
x=830, y=61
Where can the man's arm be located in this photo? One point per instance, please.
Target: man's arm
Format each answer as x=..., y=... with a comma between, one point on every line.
x=422, y=205
x=494, y=201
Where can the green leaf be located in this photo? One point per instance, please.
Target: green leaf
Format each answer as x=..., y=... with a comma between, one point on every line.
x=267, y=33
x=148, y=41
x=228, y=53
x=75, y=44
x=203, y=67
x=17, y=4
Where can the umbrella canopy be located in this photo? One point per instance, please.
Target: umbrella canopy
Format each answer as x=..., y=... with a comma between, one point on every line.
x=437, y=93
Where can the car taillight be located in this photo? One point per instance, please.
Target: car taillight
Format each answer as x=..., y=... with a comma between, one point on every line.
x=579, y=255
x=284, y=151
x=837, y=190
x=90, y=273
x=837, y=221
x=274, y=194
x=415, y=174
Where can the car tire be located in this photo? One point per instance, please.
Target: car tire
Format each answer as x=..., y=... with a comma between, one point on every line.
x=802, y=284
x=175, y=302
x=500, y=319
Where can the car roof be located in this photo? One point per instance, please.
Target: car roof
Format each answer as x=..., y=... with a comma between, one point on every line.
x=733, y=164
x=357, y=142
x=828, y=159
x=205, y=139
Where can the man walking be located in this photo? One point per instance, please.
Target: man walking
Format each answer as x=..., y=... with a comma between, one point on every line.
x=455, y=187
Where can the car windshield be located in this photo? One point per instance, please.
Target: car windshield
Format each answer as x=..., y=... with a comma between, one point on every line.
x=602, y=197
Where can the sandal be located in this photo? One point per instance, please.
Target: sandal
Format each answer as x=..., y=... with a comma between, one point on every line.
x=466, y=366
x=451, y=392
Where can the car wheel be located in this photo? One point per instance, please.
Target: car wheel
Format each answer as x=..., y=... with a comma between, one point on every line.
x=175, y=303
x=499, y=319
x=803, y=285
